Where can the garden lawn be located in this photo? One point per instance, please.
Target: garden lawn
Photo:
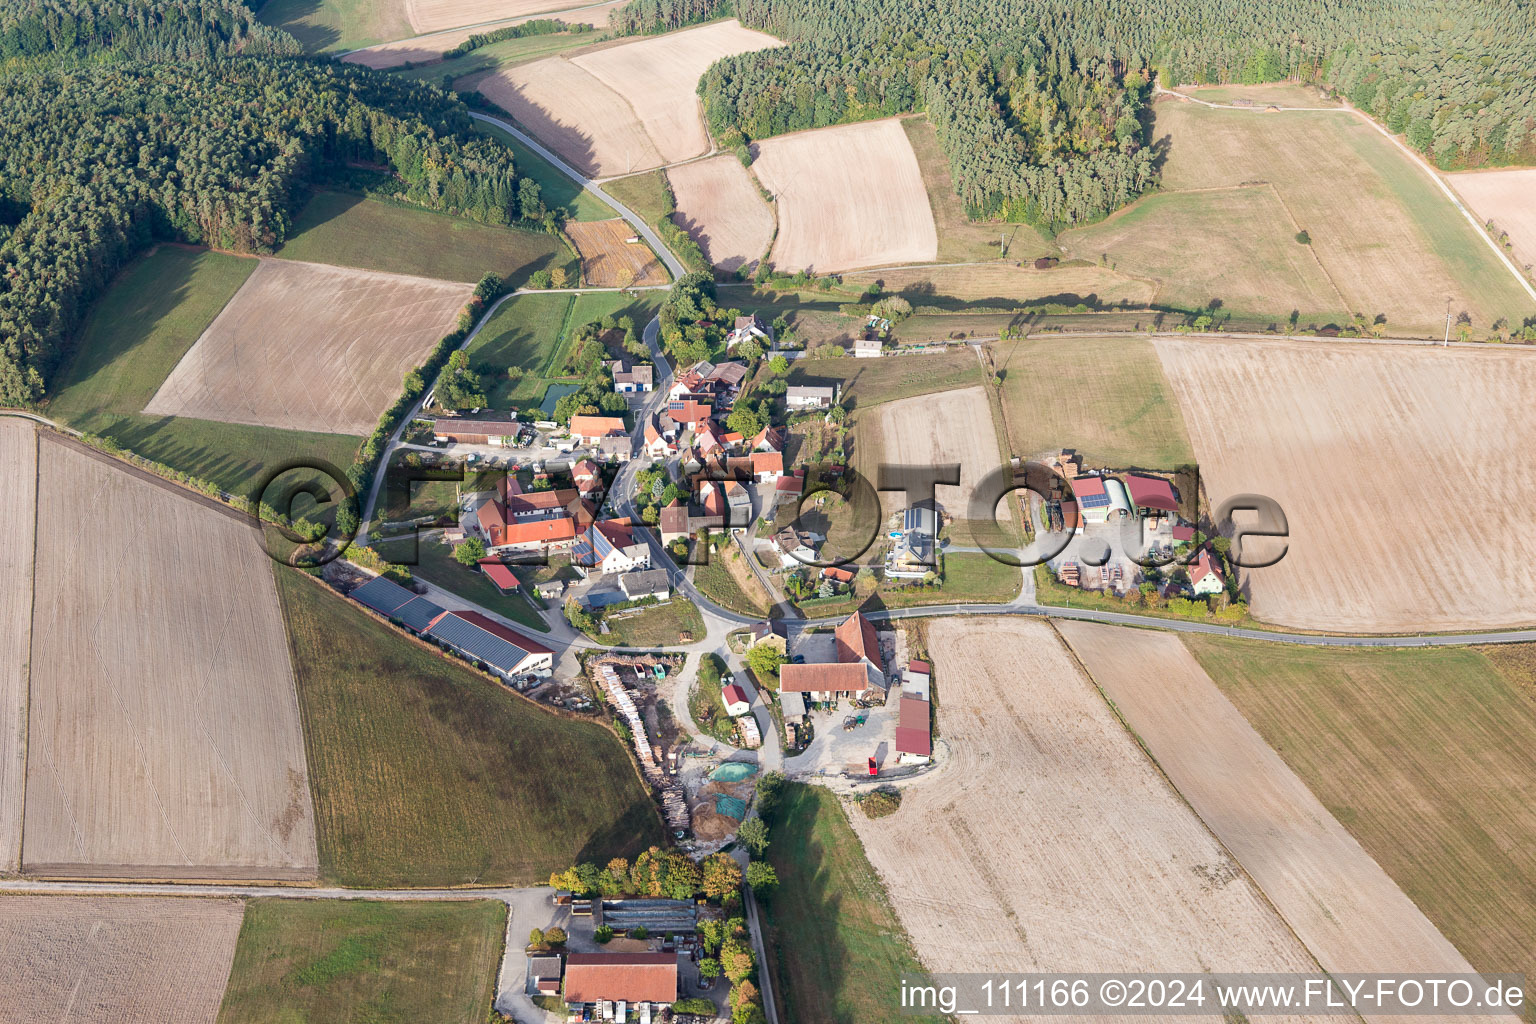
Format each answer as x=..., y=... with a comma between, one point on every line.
x=656, y=625
x=529, y=332
x=426, y=773
x=365, y=960
x=134, y=336
x=839, y=949
x=434, y=563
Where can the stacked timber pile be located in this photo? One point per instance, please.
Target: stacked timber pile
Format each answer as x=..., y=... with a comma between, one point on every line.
x=674, y=808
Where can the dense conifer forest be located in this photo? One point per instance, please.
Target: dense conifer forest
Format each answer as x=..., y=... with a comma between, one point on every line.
x=98, y=158
x=1037, y=102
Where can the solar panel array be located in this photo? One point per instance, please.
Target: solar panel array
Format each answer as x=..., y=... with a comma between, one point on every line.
x=417, y=614
x=478, y=643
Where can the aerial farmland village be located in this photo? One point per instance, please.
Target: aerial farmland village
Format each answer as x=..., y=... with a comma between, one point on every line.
x=767, y=511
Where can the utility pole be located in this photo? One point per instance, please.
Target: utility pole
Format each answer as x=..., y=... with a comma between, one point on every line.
x=1447, y=321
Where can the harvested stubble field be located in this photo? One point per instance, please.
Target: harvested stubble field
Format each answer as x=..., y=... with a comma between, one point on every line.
x=327, y=26
x=164, y=736
x=306, y=346
x=619, y=109
x=1370, y=450
x=1108, y=869
x=941, y=428
x=434, y=15
x=660, y=76
x=154, y=311
x=1389, y=240
x=95, y=959
x=427, y=773
x=429, y=49
x=383, y=962
x=18, y=510
x=1287, y=94
x=1339, y=901
x=1427, y=756
x=1504, y=197
x=1248, y=256
x=1011, y=284
x=718, y=204
x=848, y=196
x=869, y=382
x=1105, y=398
x=608, y=261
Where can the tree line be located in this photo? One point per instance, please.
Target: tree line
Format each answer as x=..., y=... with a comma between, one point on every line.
x=1041, y=104
x=99, y=159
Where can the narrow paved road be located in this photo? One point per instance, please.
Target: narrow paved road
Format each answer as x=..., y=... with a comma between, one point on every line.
x=641, y=227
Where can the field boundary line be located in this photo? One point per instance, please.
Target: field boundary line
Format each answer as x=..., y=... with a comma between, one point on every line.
x=497, y=23
x=1414, y=157
x=1146, y=750
x=1344, y=303
x=26, y=710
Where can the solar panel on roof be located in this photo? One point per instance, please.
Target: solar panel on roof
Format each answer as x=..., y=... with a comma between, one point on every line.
x=382, y=595
x=1093, y=500
x=477, y=643
x=417, y=614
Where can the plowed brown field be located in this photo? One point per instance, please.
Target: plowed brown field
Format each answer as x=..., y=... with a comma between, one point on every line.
x=1404, y=472
x=1508, y=198
x=307, y=346
x=115, y=959
x=18, y=506
x=719, y=206
x=1087, y=858
x=608, y=261
x=164, y=736
x=849, y=196
x=432, y=15
x=1350, y=914
x=941, y=428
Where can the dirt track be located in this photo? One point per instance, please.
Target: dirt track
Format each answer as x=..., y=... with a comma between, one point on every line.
x=719, y=206
x=849, y=196
x=1405, y=475
x=1336, y=898
x=1504, y=197
x=941, y=428
x=115, y=960
x=164, y=736
x=18, y=503
x=307, y=346
x=1050, y=842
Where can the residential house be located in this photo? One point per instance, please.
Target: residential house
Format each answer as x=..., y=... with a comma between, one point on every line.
x=615, y=447
x=867, y=348
x=735, y=700
x=842, y=577
x=603, y=592
x=674, y=521
x=769, y=439
x=543, y=976
x=610, y=547
x=588, y=478
x=550, y=504
x=787, y=489
x=591, y=429
x=748, y=328
x=912, y=555
x=534, y=536
x=914, y=731
x=483, y=640
x=468, y=431
x=689, y=414
x=707, y=441
x=794, y=548
x=738, y=502
x=859, y=665
x=772, y=633
x=767, y=466
x=659, y=445
x=636, y=980
x=705, y=380
x=631, y=379
x=805, y=397
x=642, y=583
x=1205, y=576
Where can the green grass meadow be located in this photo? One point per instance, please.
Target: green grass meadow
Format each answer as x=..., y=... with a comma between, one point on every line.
x=371, y=234
x=372, y=961
x=134, y=336
x=427, y=773
x=839, y=949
